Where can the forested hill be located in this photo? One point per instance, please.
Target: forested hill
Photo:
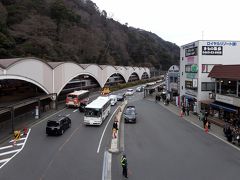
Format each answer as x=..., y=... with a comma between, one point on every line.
x=76, y=30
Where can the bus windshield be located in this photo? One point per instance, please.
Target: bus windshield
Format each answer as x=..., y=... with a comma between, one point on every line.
x=70, y=96
x=89, y=112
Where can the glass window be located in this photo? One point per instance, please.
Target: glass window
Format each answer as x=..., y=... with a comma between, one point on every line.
x=208, y=86
x=206, y=68
x=92, y=112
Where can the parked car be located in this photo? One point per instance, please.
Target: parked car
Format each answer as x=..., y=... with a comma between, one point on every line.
x=140, y=89
x=130, y=114
x=58, y=126
x=120, y=97
x=113, y=99
x=129, y=92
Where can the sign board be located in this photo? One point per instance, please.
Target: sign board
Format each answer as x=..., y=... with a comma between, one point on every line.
x=191, y=75
x=194, y=83
x=212, y=50
x=224, y=99
x=191, y=52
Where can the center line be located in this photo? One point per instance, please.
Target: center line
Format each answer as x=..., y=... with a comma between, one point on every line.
x=105, y=130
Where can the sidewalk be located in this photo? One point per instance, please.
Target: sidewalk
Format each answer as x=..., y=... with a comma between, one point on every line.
x=20, y=122
x=193, y=119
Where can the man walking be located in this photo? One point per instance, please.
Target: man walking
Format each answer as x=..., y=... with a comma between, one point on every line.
x=124, y=165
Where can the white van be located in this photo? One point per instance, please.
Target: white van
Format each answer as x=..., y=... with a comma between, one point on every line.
x=113, y=99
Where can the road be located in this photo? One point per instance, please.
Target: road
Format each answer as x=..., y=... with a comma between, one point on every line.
x=163, y=146
x=70, y=156
x=160, y=145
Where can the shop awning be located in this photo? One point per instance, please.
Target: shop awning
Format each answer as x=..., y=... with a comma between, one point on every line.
x=225, y=72
x=224, y=106
x=189, y=97
x=206, y=101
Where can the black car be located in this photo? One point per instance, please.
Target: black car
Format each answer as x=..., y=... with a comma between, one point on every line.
x=120, y=97
x=130, y=114
x=58, y=126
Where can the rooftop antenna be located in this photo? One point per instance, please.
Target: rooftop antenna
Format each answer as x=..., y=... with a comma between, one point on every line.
x=202, y=34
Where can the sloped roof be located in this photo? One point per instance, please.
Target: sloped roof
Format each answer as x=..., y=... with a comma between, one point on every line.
x=225, y=72
x=5, y=63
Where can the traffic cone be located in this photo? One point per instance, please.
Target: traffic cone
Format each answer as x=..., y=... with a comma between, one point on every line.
x=181, y=113
x=25, y=131
x=206, y=127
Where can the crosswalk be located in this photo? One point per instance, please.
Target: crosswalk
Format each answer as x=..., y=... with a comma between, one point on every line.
x=12, y=149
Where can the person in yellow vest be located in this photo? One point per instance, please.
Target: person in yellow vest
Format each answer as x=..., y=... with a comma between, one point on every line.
x=124, y=166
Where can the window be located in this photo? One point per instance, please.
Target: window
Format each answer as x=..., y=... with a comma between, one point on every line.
x=188, y=68
x=175, y=79
x=208, y=86
x=206, y=68
x=193, y=68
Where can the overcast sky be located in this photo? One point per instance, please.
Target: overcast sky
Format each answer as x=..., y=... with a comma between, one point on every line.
x=178, y=21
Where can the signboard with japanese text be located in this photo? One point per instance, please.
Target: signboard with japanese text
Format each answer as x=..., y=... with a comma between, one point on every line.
x=212, y=50
x=191, y=52
x=194, y=83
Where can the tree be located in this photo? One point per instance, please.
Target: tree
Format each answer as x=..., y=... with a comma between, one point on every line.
x=59, y=13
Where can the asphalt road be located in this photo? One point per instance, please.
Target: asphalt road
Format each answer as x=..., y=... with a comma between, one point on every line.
x=163, y=146
x=159, y=146
x=70, y=156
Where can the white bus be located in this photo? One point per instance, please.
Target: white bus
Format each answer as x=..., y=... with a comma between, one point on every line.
x=97, y=111
x=77, y=98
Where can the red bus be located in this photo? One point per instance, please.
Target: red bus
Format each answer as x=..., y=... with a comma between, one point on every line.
x=77, y=98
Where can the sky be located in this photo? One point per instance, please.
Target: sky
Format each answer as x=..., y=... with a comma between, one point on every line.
x=178, y=21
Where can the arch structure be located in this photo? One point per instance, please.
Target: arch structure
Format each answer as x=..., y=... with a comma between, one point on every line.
x=53, y=76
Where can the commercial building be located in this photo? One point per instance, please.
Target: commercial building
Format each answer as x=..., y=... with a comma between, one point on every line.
x=196, y=61
x=172, y=81
x=226, y=95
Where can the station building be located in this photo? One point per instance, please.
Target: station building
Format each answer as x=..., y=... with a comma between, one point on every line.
x=197, y=59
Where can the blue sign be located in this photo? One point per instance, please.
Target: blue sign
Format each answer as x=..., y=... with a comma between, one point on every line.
x=221, y=43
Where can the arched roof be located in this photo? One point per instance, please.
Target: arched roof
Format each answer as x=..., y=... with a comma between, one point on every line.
x=52, y=76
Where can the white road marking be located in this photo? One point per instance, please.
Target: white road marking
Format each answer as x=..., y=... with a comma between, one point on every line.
x=9, y=152
x=6, y=147
x=17, y=140
x=4, y=160
x=19, y=144
x=75, y=110
x=99, y=145
x=18, y=151
x=48, y=117
x=68, y=115
x=107, y=161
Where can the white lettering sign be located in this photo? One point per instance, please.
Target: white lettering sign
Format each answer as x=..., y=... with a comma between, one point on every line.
x=224, y=99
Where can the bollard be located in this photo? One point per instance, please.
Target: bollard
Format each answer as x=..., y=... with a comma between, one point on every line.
x=206, y=127
x=25, y=131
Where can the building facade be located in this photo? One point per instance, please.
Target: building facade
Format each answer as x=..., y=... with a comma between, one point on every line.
x=172, y=81
x=196, y=61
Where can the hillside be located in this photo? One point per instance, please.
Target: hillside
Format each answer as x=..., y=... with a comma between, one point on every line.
x=76, y=30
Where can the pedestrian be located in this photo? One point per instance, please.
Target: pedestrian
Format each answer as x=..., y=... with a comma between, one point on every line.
x=115, y=129
x=229, y=134
x=124, y=166
x=115, y=125
x=184, y=110
x=188, y=110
